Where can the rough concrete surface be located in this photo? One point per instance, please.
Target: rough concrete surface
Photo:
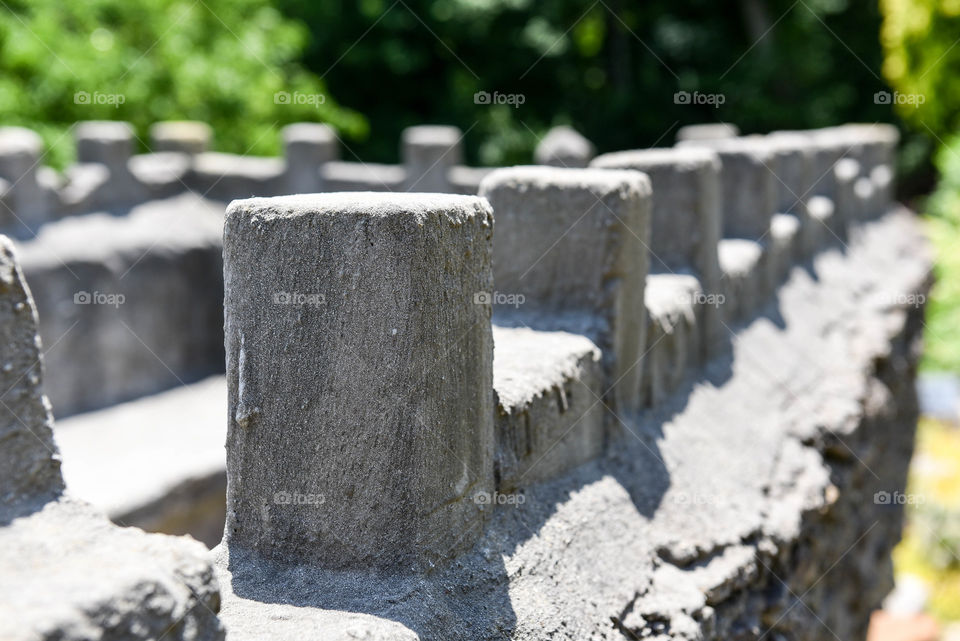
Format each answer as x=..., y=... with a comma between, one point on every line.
x=742, y=507
x=359, y=356
x=66, y=572
x=130, y=304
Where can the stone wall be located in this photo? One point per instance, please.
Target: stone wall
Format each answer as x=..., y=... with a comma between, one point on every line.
x=659, y=397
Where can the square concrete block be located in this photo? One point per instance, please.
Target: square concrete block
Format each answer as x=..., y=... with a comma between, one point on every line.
x=359, y=374
x=307, y=147
x=571, y=254
x=429, y=152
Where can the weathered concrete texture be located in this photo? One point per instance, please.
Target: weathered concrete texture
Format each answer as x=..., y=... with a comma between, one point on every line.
x=744, y=278
x=785, y=246
x=65, y=571
x=572, y=242
x=25, y=200
x=707, y=131
x=129, y=305
x=548, y=387
x=360, y=176
x=686, y=220
x=359, y=368
x=184, y=136
x=29, y=462
x=156, y=463
x=743, y=509
x=564, y=147
x=307, y=146
x=676, y=306
x=750, y=191
x=429, y=152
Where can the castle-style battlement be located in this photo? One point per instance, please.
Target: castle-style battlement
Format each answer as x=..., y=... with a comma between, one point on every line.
x=622, y=400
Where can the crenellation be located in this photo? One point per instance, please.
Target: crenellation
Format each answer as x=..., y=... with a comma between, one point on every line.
x=570, y=398
x=572, y=243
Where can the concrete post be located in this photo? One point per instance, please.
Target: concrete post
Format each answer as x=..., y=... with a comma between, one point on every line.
x=25, y=201
x=428, y=153
x=749, y=187
x=186, y=136
x=307, y=147
x=573, y=243
x=686, y=218
x=110, y=143
x=564, y=147
x=359, y=371
x=29, y=461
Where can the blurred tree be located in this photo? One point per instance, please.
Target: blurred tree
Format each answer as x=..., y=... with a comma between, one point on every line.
x=219, y=61
x=610, y=68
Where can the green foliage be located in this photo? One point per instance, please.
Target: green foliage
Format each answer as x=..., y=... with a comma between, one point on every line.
x=919, y=39
x=609, y=68
x=219, y=61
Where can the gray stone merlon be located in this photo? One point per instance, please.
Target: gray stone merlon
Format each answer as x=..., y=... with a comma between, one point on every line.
x=307, y=147
x=428, y=153
x=572, y=251
x=185, y=136
x=564, y=146
x=359, y=373
x=26, y=203
x=748, y=184
x=707, y=131
x=29, y=461
x=686, y=218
